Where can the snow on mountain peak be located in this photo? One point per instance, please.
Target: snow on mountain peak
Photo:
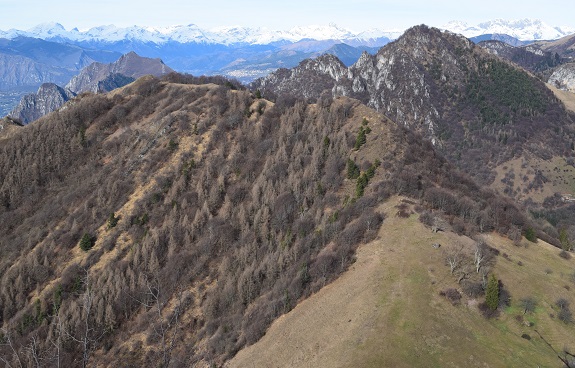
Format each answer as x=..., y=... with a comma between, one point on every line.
x=522, y=29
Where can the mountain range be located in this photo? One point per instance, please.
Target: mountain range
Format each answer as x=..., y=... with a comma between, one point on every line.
x=524, y=30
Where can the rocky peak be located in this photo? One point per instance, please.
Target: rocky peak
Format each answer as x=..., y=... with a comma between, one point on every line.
x=326, y=64
x=441, y=85
x=35, y=105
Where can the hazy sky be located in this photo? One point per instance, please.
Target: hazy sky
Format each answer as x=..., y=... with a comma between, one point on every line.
x=355, y=15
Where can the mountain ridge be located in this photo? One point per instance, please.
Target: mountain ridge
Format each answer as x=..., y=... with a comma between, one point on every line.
x=438, y=83
x=524, y=29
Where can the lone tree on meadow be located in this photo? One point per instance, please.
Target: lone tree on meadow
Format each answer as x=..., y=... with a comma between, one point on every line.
x=492, y=293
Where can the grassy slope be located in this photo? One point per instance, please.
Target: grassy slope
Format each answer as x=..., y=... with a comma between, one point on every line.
x=559, y=174
x=386, y=312
x=567, y=98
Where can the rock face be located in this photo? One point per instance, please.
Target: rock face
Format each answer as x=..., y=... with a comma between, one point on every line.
x=402, y=79
x=564, y=77
x=48, y=98
x=29, y=62
x=309, y=79
x=130, y=65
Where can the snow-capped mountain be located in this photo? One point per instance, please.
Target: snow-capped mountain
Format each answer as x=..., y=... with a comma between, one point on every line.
x=522, y=29
x=191, y=34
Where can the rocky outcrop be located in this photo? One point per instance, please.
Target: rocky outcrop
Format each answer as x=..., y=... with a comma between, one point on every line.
x=564, y=77
x=308, y=80
x=49, y=97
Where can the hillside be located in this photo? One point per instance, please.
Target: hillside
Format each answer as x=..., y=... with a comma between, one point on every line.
x=478, y=110
x=171, y=221
x=387, y=311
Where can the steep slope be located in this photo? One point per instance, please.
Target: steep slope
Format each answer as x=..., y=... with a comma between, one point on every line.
x=564, y=46
x=95, y=78
x=476, y=108
x=18, y=71
x=170, y=222
x=48, y=98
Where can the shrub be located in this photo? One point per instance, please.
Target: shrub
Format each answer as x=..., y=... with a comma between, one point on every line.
x=564, y=254
x=565, y=315
x=452, y=295
x=472, y=289
x=530, y=235
x=352, y=169
x=112, y=220
x=528, y=304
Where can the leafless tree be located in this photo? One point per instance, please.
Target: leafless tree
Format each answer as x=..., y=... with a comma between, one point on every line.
x=6, y=340
x=454, y=257
x=33, y=352
x=165, y=328
x=89, y=333
x=479, y=255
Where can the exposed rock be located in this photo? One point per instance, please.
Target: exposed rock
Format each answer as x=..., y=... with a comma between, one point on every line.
x=49, y=97
x=564, y=77
x=95, y=78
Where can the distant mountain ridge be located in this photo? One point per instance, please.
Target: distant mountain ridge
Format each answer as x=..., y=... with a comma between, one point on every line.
x=191, y=33
x=95, y=78
x=523, y=29
x=130, y=65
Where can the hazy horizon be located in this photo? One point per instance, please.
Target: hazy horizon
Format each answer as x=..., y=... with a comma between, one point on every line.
x=352, y=15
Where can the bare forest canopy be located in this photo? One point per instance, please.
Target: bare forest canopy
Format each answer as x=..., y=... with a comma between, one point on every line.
x=170, y=222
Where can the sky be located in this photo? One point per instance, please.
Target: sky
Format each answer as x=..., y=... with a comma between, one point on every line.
x=357, y=15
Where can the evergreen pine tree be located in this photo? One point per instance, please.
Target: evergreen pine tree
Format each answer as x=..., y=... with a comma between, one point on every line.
x=492, y=293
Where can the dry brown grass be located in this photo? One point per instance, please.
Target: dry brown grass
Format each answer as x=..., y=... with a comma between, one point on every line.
x=567, y=98
x=386, y=310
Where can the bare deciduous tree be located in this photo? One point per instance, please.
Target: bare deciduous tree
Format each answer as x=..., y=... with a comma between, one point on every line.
x=454, y=257
x=89, y=334
x=6, y=340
